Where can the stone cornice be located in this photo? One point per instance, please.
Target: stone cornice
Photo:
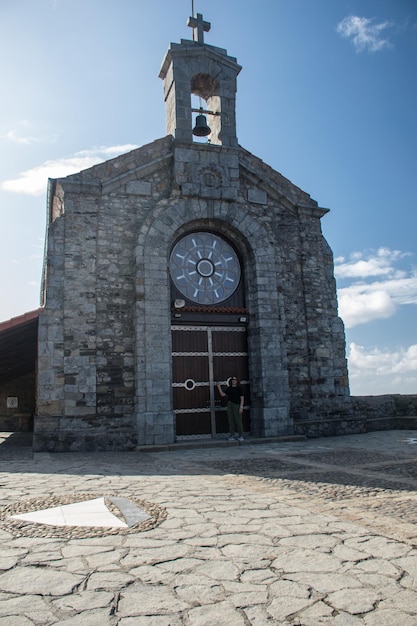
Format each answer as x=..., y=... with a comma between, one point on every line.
x=192, y=49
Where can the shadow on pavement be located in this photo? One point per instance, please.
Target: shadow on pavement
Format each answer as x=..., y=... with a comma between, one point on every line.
x=300, y=466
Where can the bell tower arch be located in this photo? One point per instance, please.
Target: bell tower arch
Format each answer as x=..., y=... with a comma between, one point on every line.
x=194, y=67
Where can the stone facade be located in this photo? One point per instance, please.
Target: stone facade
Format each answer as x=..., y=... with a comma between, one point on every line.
x=104, y=365
x=104, y=352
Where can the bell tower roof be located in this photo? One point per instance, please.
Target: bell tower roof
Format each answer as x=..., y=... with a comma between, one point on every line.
x=208, y=72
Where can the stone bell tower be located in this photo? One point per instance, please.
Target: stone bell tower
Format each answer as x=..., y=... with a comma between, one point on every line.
x=193, y=67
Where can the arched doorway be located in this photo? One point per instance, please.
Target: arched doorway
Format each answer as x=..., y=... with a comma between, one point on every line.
x=209, y=338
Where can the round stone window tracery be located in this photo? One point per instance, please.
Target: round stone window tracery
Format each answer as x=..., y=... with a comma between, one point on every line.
x=204, y=268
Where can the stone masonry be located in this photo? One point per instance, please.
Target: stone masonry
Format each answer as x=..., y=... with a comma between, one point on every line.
x=104, y=368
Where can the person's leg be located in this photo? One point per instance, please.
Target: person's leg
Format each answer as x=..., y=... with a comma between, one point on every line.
x=238, y=420
x=230, y=418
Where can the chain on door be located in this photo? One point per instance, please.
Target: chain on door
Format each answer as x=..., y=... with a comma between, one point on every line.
x=202, y=356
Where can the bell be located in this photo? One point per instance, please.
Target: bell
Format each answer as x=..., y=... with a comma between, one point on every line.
x=201, y=129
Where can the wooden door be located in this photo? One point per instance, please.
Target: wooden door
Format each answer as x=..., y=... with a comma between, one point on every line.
x=202, y=356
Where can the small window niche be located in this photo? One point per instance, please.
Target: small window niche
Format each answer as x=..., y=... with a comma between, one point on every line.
x=12, y=402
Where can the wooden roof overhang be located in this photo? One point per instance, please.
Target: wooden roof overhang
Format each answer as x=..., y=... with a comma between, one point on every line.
x=18, y=346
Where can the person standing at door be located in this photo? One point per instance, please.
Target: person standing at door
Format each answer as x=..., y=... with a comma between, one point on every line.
x=235, y=400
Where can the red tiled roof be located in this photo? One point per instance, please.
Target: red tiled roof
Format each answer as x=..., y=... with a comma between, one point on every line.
x=20, y=319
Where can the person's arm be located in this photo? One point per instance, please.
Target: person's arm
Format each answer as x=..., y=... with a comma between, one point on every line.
x=220, y=390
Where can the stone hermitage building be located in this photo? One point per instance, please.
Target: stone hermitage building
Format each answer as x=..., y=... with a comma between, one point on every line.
x=177, y=265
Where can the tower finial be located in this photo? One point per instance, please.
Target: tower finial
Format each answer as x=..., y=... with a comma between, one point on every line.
x=199, y=27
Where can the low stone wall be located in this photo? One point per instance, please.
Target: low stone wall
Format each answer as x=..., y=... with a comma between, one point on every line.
x=387, y=412
x=395, y=405
x=370, y=413
x=330, y=427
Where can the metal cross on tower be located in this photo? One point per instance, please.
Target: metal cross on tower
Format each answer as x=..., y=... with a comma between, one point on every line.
x=199, y=27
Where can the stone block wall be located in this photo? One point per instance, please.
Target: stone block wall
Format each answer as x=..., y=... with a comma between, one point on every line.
x=86, y=389
x=306, y=315
x=104, y=334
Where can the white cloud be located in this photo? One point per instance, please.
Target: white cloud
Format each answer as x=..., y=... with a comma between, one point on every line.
x=34, y=181
x=401, y=360
x=24, y=135
x=378, y=371
x=364, y=299
x=13, y=136
x=364, y=33
x=380, y=263
x=358, y=308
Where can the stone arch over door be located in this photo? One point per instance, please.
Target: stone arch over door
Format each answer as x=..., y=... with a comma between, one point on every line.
x=269, y=379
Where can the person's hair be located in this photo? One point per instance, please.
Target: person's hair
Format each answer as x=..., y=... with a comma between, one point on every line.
x=231, y=378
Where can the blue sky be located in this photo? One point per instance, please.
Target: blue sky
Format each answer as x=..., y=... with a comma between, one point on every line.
x=327, y=96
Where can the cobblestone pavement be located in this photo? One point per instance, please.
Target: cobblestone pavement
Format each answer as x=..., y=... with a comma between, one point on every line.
x=295, y=533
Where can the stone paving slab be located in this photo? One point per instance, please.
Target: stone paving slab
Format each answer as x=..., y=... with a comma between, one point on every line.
x=298, y=533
